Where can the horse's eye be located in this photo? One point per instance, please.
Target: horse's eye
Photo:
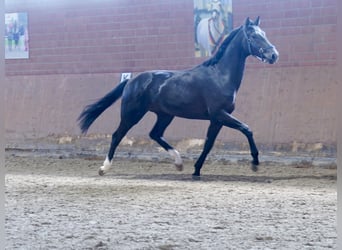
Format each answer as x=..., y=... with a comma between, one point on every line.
x=254, y=36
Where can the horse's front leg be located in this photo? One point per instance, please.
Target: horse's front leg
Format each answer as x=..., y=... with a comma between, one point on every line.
x=213, y=130
x=231, y=122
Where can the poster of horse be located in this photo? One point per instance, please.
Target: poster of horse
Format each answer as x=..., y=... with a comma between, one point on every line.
x=213, y=21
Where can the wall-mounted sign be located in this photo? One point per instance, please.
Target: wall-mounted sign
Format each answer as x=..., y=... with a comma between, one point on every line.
x=125, y=76
x=16, y=36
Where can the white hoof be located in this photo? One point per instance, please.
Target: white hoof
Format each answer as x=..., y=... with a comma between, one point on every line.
x=106, y=166
x=101, y=171
x=178, y=160
x=179, y=167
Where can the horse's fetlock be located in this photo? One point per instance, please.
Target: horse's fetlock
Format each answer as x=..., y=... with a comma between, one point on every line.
x=255, y=154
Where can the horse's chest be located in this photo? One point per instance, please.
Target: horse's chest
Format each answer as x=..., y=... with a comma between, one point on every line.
x=233, y=97
x=231, y=102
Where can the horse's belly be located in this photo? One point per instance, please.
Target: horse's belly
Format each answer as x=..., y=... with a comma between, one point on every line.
x=185, y=110
x=195, y=116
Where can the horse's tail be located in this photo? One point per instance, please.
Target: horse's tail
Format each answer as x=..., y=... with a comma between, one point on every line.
x=94, y=110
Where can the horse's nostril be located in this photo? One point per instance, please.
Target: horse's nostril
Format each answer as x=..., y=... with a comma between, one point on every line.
x=274, y=57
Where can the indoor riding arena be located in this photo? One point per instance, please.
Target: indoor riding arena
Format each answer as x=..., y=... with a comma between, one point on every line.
x=270, y=184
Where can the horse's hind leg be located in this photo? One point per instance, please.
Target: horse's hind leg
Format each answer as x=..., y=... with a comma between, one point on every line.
x=128, y=120
x=116, y=139
x=164, y=120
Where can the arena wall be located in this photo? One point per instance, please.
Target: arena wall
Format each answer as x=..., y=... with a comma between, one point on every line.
x=78, y=50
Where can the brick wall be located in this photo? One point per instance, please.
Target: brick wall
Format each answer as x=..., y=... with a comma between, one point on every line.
x=105, y=36
x=71, y=37
x=79, y=48
x=304, y=31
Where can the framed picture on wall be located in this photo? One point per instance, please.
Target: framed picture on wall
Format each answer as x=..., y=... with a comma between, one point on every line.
x=213, y=22
x=16, y=36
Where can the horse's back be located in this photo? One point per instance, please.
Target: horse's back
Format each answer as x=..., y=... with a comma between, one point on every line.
x=145, y=87
x=173, y=92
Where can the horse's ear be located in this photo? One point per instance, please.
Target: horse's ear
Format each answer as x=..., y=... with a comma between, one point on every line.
x=248, y=21
x=257, y=21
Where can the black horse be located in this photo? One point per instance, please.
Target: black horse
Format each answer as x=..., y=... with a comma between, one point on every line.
x=205, y=92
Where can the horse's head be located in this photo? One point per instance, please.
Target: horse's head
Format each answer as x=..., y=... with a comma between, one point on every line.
x=257, y=42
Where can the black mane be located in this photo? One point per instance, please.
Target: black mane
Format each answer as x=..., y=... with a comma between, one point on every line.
x=216, y=58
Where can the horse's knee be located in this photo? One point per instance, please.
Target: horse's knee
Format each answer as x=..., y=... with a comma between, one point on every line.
x=247, y=131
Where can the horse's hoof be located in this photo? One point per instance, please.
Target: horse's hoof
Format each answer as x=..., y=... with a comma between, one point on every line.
x=196, y=177
x=101, y=172
x=255, y=167
x=179, y=167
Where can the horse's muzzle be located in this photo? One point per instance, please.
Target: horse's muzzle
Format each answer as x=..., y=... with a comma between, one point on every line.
x=271, y=56
x=268, y=55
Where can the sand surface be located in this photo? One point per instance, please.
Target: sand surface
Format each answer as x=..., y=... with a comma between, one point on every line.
x=54, y=203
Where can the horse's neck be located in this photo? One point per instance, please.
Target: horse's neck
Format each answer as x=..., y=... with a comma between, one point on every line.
x=231, y=79
x=232, y=64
